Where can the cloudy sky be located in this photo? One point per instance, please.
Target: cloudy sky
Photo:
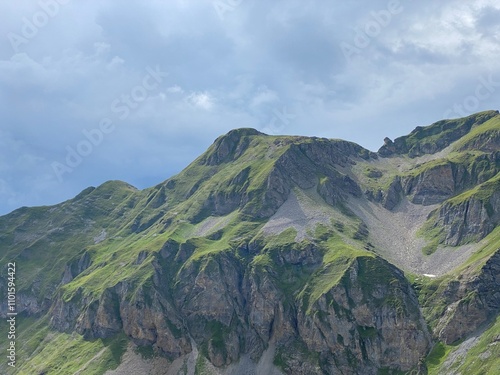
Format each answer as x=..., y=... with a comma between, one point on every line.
x=135, y=90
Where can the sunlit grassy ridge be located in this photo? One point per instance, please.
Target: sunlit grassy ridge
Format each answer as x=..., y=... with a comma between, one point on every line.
x=490, y=129
x=43, y=239
x=440, y=134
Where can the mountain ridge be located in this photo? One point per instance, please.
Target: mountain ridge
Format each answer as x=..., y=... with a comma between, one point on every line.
x=279, y=251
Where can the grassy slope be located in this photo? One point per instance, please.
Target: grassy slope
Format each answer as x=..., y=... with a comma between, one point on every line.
x=43, y=239
x=198, y=181
x=489, y=127
x=338, y=257
x=40, y=350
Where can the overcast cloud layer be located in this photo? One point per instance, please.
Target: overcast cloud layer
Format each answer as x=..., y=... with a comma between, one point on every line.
x=135, y=90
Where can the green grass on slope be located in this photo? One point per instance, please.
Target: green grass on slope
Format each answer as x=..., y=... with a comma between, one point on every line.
x=479, y=258
x=471, y=160
x=490, y=126
x=375, y=176
x=40, y=350
x=482, y=192
x=42, y=240
x=337, y=259
x=483, y=357
x=236, y=232
x=436, y=357
x=430, y=298
x=114, y=261
x=432, y=234
x=248, y=173
x=64, y=354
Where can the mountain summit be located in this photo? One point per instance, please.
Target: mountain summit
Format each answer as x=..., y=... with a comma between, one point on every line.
x=272, y=255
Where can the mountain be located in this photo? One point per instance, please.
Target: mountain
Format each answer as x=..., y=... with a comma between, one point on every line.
x=271, y=255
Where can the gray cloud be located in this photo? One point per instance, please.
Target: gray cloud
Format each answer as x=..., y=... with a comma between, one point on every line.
x=277, y=66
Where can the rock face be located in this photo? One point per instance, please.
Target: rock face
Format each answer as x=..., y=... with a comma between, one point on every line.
x=432, y=186
x=472, y=219
x=76, y=267
x=359, y=320
x=394, y=194
x=303, y=164
x=230, y=146
x=445, y=180
x=471, y=303
x=439, y=181
x=229, y=308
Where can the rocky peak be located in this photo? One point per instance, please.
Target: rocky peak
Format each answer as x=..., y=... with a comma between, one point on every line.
x=434, y=138
x=230, y=146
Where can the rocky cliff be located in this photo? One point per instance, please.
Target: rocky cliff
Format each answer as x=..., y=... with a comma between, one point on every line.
x=471, y=302
x=230, y=306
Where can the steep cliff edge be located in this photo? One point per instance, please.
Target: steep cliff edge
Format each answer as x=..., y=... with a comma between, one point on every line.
x=324, y=309
x=465, y=218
